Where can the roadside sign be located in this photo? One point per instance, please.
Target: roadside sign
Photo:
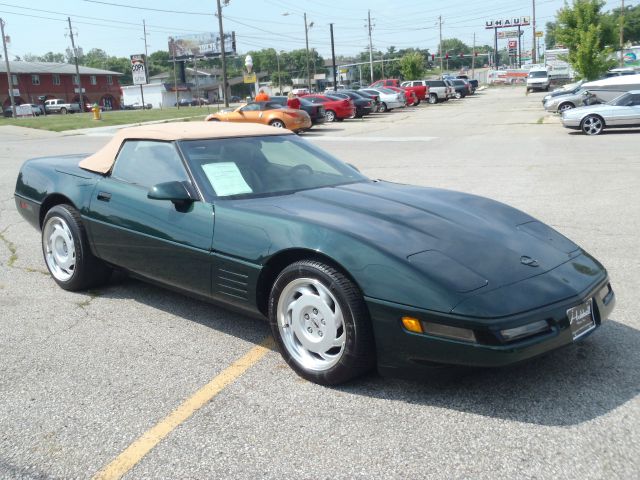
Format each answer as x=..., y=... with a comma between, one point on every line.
x=513, y=44
x=24, y=111
x=138, y=69
x=539, y=34
x=508, y=34
x=16, y=92
x=250, y=78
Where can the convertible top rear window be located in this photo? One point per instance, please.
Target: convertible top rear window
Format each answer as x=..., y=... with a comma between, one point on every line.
x=258, y=166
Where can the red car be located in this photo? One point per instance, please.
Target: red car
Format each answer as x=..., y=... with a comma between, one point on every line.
x=334, y=110
x=421, y=92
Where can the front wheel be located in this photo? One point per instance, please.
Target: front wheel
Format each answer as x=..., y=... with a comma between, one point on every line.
x=320, y=322
x=592, y=125
x=433, y=98
x=330, y=116
x=564, y=107
x=63, y=111
x=67, y=253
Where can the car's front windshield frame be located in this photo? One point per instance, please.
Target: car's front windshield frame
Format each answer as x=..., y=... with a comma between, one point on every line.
x=347, y=173
x=619, y=99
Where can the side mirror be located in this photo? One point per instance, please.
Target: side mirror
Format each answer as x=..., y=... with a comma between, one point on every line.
x=354, y=167
x=177, y=192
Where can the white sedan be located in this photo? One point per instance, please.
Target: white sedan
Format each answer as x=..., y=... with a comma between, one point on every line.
x=621, y=112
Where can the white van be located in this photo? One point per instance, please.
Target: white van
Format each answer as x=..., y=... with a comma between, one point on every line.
x=538, y=79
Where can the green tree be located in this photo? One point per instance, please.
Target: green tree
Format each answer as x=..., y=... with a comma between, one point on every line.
x=159, y=62
x=412, y=65
x=580, y=28
x=550, y=35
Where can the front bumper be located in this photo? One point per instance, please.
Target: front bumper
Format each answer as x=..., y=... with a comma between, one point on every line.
x=573, y=123
x=400, y=351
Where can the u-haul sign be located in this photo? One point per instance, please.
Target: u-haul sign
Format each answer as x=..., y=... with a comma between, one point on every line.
x=508, y=22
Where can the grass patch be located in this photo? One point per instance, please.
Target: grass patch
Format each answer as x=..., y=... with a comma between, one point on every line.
x=13, y=250
x=61, y=123
x=540, y=121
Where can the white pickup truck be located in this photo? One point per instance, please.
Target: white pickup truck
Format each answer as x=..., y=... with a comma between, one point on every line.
x=55, y=105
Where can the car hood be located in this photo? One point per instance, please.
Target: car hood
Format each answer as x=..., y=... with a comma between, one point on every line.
x=438, y=232
x=581, y=111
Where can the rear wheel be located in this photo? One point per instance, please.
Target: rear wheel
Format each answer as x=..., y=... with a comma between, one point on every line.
x=383, y=107
x=277, y=123
x=320, y=323
x=66, y=251
x=458, y=95
x=330, y=116
x=416, y=103
x=63, y=111
x=592, y=125
x=433, y=98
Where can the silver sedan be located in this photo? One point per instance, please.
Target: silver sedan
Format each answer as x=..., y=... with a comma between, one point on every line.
x=567, y=102
x=621, y=112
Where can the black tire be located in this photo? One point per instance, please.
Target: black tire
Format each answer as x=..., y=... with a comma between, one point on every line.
x=383, y=107
x=63, y=111
x=565, y=106
x=592, y=125
x=357, y=354
x=213, y=120
x=330, y=116
x=458, y=95
x=433, y=98
x=88, y=271
x=416, y=103
x=277, y=124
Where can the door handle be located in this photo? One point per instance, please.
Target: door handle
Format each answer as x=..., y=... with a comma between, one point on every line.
x=104, y=196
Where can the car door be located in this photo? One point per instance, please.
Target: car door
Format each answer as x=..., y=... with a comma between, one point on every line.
x=250, y=113
x=629, y=114
x=156, y=239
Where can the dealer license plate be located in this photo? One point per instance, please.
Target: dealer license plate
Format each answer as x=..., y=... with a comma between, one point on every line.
x=581, y=319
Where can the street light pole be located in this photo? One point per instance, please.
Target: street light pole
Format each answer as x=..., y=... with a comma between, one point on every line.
x=306, y=39
x=533, y=47
x=9, y=77
x=222, y=56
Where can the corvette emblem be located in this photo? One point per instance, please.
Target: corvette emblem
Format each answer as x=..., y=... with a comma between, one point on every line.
x=528, y=261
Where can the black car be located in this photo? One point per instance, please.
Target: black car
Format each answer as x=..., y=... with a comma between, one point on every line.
x=473, y=83
x=461, y=88
x=363, y=106
x=374, y=99
x=315, y=111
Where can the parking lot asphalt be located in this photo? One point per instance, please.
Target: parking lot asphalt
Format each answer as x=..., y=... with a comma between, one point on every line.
x=86, y=375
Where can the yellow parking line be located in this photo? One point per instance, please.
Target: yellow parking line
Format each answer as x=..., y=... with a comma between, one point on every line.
x=148, y=440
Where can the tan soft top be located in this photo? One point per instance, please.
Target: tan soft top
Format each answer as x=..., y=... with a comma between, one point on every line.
x=103, y=159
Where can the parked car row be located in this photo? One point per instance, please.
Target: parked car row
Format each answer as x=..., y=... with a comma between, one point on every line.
x=592, y=107
x=338, y=105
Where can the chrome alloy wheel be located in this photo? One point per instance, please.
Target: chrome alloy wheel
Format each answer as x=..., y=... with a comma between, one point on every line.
x=311, y=324
x=59, y=249
x=592, y=125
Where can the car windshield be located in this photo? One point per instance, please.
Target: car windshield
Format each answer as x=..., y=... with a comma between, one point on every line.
x=621, y=100
x=260, y=166
x=538, y=74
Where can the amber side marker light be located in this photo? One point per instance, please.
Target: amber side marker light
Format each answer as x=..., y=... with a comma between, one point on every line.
x=412, y=324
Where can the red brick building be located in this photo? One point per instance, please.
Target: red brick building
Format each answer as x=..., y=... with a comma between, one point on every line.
x=57, y=80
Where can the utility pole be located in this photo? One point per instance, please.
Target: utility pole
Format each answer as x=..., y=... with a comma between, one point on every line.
x=622, y=34
x=533, y=47
x=370, y=46
x=146, y=64
x=222, y=56
x=279, y=79
x=306, y=39
x=333, y=60
x=440, y=44
x=473, y=57
x=75, y=57
x=9, y=79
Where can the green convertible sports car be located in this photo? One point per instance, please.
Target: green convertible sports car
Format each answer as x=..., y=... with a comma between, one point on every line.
x=351, y=272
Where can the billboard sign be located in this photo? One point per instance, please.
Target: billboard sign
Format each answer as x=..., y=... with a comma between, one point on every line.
x=138, y=69
x=201, y=45
x=508, y=34
x=513, y=44
x=508, y=22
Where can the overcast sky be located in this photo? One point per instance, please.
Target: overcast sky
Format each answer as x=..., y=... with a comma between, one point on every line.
x=39, y=26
